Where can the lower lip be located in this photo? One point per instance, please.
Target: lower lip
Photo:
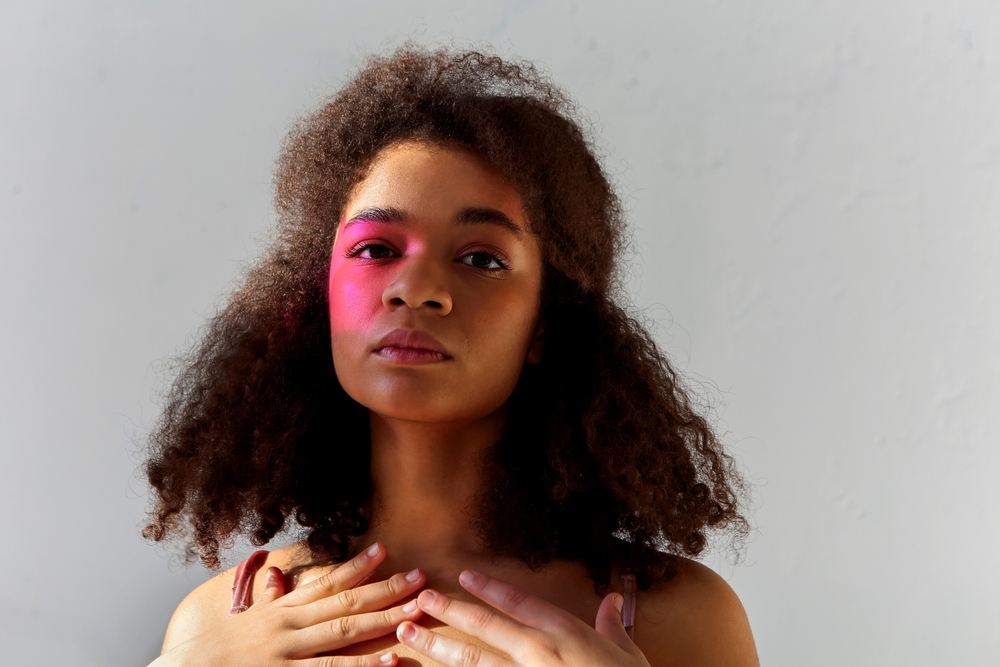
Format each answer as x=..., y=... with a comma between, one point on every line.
x=410, y=355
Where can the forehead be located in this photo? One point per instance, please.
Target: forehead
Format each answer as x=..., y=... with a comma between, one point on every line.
x=427, y=180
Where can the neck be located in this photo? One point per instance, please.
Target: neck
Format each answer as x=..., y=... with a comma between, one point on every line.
x=426, y=477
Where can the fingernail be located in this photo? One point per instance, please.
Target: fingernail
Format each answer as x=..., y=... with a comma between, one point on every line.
x=468, y=578
x=410, y=607
x=407, y=631
x=386, y=658
x=272, y=578
x=413, y=575
x=429, y=596
x=619, y=602
x=372, y=550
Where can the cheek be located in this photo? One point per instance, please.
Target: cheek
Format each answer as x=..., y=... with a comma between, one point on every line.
x=503, y=331
x=353, y=301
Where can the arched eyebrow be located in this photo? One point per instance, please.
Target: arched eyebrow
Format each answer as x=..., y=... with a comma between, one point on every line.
x=376, y=214
x=467, y=216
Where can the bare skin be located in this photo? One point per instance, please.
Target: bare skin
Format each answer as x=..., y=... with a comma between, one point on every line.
x=434, y=241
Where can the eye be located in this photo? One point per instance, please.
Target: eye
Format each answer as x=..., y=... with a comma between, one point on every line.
x=486, y=261
x=372, y=250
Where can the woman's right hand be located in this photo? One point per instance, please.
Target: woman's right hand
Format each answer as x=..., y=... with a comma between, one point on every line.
x=325, y=615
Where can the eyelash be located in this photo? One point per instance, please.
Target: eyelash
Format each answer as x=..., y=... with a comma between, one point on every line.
x=365, y=245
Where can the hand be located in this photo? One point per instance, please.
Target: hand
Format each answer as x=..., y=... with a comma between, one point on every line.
x=537, y=634
x=324, y=615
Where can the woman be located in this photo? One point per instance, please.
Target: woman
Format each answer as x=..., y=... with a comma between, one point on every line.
x=432, y=374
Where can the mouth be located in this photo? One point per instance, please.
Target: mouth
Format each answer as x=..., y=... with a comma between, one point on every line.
x=410, y=346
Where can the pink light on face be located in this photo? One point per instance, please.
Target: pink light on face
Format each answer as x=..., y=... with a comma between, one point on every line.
x=354, y=296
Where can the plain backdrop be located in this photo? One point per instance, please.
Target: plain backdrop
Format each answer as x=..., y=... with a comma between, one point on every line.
x=814, y=193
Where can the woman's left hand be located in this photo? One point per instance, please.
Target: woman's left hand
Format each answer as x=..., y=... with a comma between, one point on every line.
x=537, y=634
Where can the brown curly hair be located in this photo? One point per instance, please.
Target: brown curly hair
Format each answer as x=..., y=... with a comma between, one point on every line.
x=604, y=460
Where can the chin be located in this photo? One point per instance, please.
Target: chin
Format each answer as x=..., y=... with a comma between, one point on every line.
x=424, y=408
x=417, y=402
x=426, y=395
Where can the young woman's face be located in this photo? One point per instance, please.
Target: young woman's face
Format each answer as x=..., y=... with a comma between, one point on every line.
x=435, y=285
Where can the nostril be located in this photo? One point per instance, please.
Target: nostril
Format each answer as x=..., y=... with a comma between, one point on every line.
x=433, y=304
x=396, y=301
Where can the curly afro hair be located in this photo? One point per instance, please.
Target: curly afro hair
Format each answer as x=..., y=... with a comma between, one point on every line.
x=604, y=459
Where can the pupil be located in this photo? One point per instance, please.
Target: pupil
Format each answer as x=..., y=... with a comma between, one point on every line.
x=482, y=260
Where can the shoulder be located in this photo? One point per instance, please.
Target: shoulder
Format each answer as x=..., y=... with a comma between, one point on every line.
x=202, y=608
x=209, y=604
x=694, y=619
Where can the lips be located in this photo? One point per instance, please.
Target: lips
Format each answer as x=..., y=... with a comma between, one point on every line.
x=410, y=346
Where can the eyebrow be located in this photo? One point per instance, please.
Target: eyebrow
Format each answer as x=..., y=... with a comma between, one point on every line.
x=385, y=215
x=467, y=216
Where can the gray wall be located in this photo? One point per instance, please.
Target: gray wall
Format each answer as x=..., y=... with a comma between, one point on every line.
x=815, y=188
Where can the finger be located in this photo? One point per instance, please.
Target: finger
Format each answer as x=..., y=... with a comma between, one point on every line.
x=346, y=630
x=369, y=597
x=346, y=576
x=519, y=605
x=477, y=621
x=609, y=622
x=374, y=660
x=275, y=587
x=448, y=651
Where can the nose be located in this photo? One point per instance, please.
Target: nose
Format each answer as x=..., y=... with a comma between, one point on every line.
x=419, y=284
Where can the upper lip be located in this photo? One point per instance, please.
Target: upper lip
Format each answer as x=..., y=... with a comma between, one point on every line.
x=413, y=339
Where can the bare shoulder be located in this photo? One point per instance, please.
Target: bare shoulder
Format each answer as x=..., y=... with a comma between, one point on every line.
x=694, y=619
x=209, y=603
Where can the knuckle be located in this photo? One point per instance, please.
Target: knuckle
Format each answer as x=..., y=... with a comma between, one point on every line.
x=350, y=599
x=343, y=627
x=397, y=583
x=329, y=583
x=481, y=618
x=470, y=656
x=513, y=598
x=442, y=603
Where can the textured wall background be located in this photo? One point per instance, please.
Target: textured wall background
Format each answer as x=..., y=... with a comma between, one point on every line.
x=814, y=187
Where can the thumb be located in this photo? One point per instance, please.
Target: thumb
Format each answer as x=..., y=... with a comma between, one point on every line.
x=609, y=622
x=275, y=585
